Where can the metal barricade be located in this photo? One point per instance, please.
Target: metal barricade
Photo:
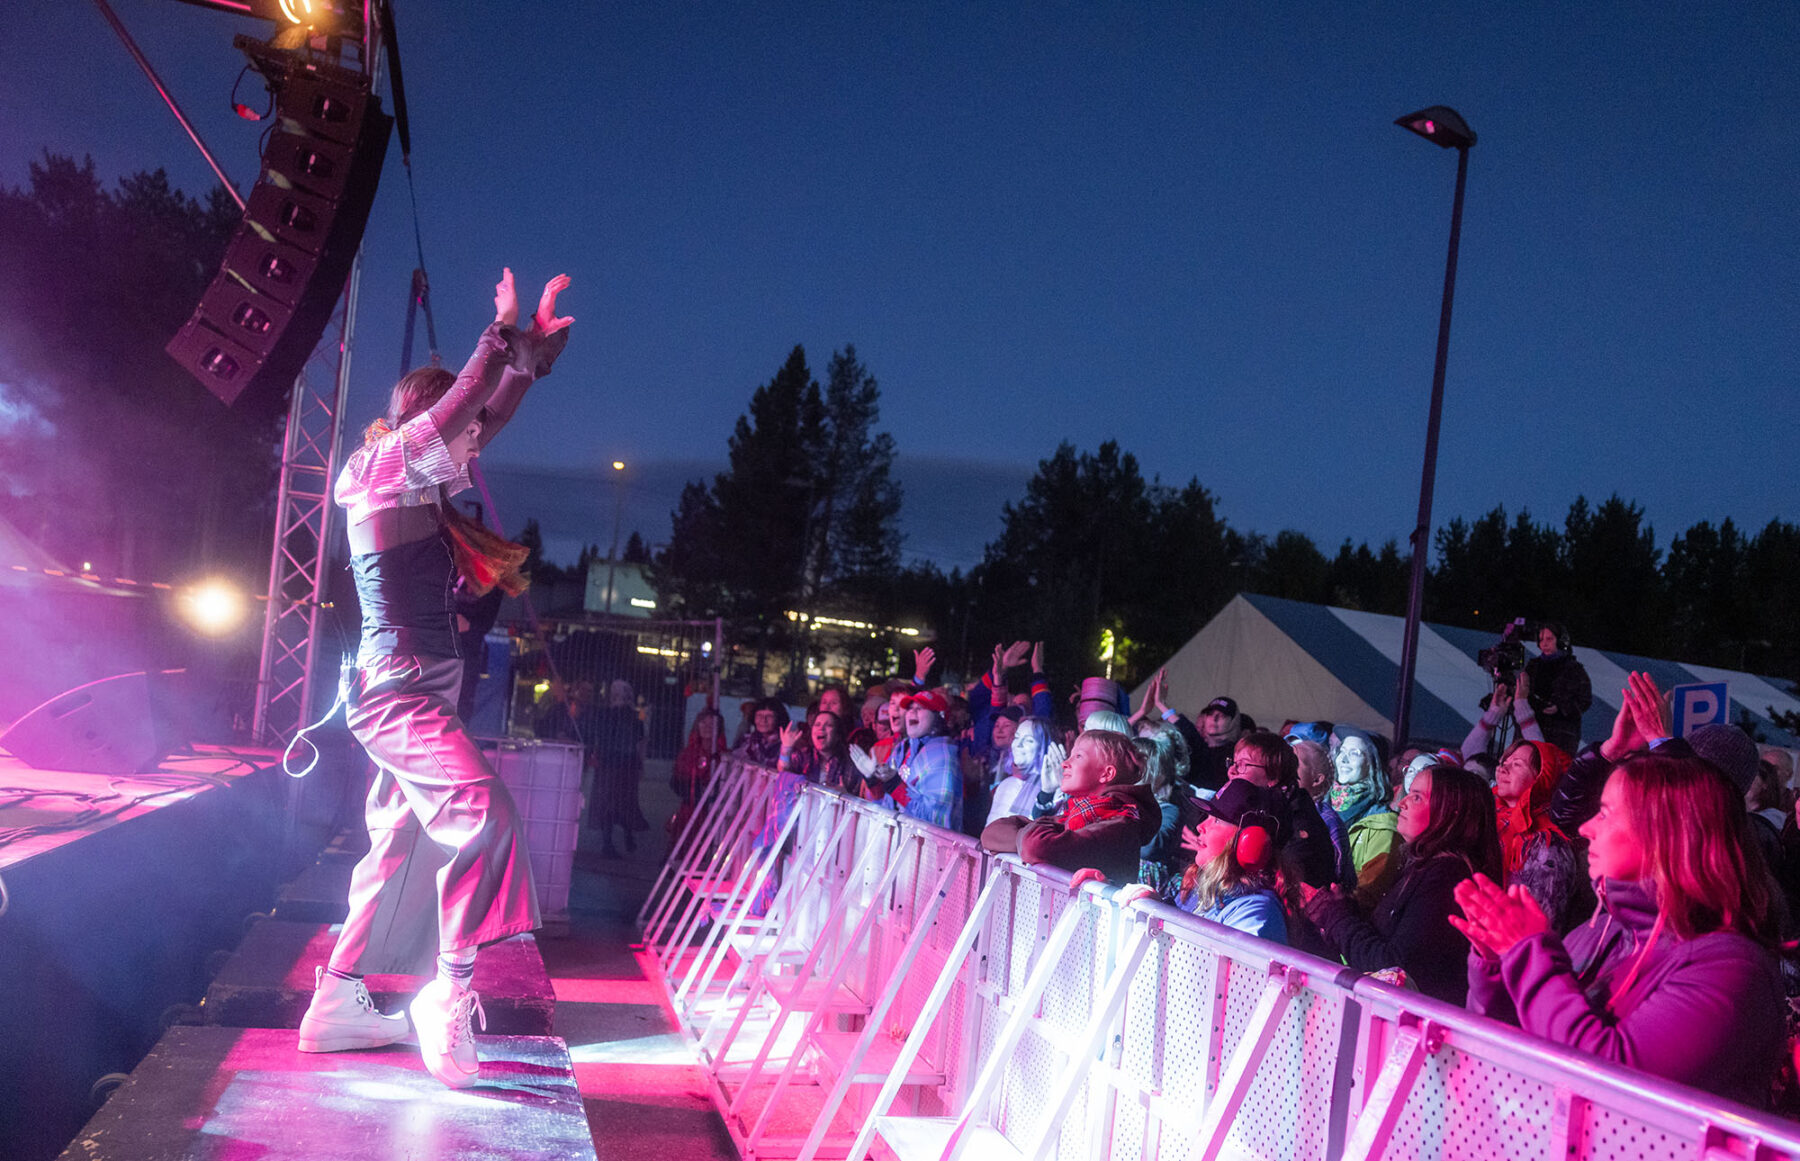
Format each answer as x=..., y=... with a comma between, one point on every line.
x=999, y=1015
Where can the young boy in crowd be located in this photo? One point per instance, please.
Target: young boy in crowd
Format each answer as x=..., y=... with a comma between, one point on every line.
x=1108, y=816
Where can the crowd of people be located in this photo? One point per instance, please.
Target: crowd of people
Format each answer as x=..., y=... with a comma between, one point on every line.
x=1630, y=899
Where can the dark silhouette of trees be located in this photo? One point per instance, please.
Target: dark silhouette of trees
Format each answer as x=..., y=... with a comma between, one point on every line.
x=109, y=452
x=806, y=515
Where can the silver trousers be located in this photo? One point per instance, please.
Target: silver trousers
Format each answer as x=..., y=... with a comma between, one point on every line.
x=448, y=868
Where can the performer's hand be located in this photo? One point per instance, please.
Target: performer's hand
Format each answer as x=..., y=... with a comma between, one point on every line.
x=506, y=299
x=545, y=320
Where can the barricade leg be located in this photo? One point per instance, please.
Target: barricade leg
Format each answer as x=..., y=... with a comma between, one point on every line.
x=728, y=813
x=751, y=967
x=1234, y=1086
x=896, y=979
x=915, y=1040
x=686, y=843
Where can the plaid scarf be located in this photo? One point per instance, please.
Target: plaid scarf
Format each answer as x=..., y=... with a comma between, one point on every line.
x=1083, y=809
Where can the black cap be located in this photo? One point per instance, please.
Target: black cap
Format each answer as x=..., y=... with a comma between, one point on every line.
x=1225, y=704
x=1241, y=800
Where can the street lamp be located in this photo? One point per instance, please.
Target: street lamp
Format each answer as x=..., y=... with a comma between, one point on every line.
x=1445, y=128
x=612, y=558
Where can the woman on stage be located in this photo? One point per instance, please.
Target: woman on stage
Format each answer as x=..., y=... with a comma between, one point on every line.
x=447, y=869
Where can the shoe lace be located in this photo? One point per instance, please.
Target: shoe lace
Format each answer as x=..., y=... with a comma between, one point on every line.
x=468, y=1003
x=363, y=999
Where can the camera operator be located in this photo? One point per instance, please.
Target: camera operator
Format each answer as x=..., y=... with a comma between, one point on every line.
x=1559, y=689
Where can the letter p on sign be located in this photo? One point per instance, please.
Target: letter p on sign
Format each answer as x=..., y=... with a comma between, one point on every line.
x=1697, y=705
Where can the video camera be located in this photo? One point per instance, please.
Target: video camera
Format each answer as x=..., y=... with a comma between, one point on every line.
x=1506, y=657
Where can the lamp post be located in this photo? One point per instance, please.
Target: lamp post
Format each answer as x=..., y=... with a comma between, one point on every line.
x=1445, y=128
x=612, y=557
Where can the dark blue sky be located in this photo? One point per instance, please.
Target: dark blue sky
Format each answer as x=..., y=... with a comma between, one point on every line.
x=1188, y=227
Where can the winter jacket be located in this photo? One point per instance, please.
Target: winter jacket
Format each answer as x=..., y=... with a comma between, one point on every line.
x=983, y=711
x=1345, y=865
x=1409, y=929
x=1706, y=1011
x=1375, y=851
x=1560, y=681
x=931, y=768
x=1310, y=846
x=1110, y=845
x=1257, y=913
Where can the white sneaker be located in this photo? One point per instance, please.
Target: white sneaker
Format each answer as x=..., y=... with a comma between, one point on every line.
x=441, y=1014
x=342, y=1016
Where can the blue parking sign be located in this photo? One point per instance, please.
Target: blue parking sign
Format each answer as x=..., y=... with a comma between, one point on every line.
x=1698, y=705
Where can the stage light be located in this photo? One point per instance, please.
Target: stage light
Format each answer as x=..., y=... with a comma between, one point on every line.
x=297, y=11
x=214, y=608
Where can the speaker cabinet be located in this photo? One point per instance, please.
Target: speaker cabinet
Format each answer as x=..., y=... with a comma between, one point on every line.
x=268, y=305
x=118, y=725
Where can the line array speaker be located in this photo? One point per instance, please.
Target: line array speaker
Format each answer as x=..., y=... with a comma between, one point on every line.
x=263, y=314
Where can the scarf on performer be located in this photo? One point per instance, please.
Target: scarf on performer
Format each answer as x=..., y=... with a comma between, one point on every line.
x=1530, y=815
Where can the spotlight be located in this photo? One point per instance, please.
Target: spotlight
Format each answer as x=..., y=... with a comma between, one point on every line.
x=213, y=608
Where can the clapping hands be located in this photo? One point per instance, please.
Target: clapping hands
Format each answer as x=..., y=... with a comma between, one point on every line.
x=1643, y=718
x=1494, y=919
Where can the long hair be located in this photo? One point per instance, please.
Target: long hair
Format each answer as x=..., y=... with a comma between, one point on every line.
x=1166, y=759
x=417, y=390
x=1223, y=875
x=696, y=742
x=1461, y=822
x=1704, y=867
x=843, y=732
x=1275, y=753
x=1045, y=733
x=1530, y=815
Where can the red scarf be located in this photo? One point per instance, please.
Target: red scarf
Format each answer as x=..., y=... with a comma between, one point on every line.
x=1083, y=809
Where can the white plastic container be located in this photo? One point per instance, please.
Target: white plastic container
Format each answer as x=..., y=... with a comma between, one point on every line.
x=544, y=779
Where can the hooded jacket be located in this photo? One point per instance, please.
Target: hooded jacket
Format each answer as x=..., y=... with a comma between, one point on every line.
x=1535, y=852
x=1110, y=845
x=1706, y=1011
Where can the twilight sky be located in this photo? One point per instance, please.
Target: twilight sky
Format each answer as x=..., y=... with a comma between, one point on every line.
x=1190, y=227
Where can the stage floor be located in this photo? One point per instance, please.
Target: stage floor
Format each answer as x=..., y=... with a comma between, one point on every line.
x=41, y=810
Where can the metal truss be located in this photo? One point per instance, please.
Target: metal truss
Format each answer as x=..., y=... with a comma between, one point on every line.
x=287, y=678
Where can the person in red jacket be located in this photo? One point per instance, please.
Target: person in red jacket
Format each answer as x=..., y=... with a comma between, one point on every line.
x=1108, y=816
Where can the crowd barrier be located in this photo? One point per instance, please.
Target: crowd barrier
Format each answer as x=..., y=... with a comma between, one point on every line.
x=857, y=984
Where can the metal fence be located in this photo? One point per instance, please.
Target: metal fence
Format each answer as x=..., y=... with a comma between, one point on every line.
x=663, y=661
x=906, y=995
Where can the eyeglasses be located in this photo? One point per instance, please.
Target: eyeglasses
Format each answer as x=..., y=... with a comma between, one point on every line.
x=1237, y=763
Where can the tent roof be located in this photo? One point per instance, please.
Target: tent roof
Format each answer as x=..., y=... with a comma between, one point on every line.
x=1286, y=659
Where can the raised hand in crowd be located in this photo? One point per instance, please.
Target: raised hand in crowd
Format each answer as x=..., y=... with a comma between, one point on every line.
x=790, y=737
x=923, y=660
x=1495, y=918
x=1050, y=769
x=1037, y=657
x=1642, y=718
x=1522, y=687
x=545, y=320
